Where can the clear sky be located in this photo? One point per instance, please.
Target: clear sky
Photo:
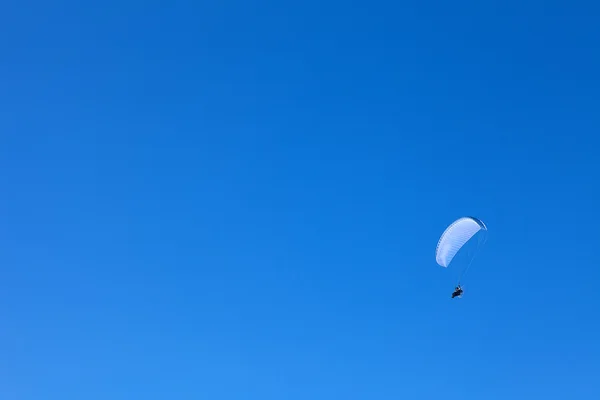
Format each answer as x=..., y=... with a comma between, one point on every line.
x=241, y=200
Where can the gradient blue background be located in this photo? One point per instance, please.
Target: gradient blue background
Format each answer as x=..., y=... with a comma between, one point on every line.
x=241, y=200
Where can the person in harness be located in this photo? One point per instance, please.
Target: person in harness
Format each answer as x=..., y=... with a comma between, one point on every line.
x=457, y=292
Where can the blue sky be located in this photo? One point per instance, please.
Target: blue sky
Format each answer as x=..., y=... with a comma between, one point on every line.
x=235, y=200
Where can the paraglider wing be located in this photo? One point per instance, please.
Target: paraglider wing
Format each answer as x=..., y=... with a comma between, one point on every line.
x=455, y=237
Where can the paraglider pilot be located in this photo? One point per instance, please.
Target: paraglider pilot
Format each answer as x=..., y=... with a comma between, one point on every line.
x=457, y=292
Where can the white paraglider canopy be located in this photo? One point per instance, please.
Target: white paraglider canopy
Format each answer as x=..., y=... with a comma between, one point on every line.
x=455, y=237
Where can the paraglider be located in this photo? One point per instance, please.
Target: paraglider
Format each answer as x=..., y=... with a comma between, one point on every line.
x=457, y=292
x=459, y=239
